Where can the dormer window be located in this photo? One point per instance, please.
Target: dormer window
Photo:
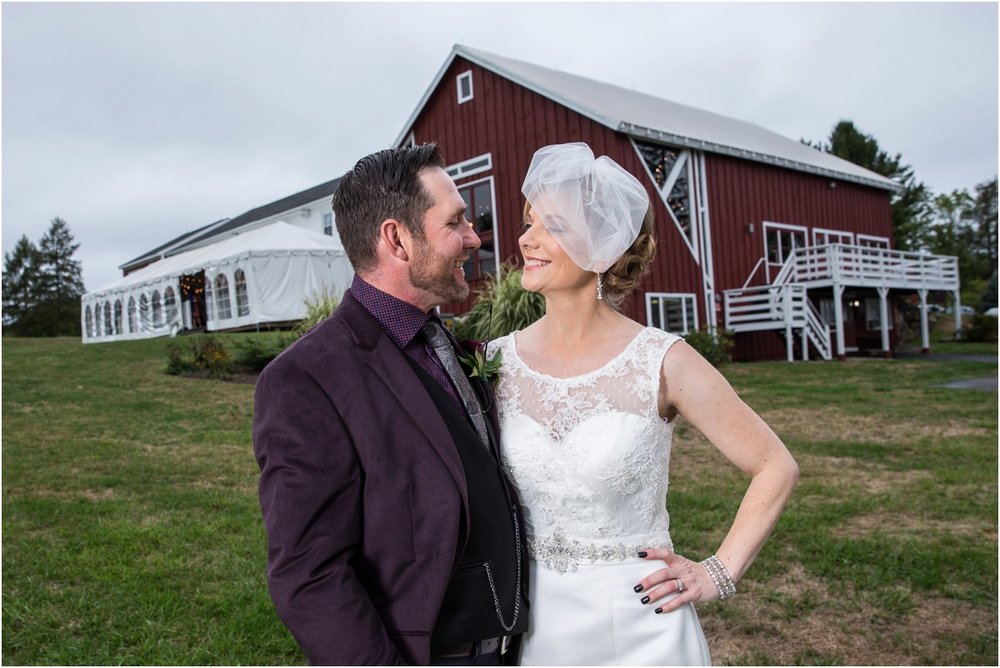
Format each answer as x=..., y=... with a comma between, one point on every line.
x=464, y=82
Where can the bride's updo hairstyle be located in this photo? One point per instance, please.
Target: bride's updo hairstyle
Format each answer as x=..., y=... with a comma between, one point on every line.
x=624, y=275
x=597, y=212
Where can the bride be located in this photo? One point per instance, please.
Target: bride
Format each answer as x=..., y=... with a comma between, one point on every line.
x=588, y=399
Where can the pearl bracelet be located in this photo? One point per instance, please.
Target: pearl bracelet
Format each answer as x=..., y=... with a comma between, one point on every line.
x=720, y=576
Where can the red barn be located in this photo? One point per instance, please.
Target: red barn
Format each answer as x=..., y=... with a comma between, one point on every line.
x=758, y=233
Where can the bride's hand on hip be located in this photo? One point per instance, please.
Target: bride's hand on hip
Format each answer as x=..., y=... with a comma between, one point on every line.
x=688, y=579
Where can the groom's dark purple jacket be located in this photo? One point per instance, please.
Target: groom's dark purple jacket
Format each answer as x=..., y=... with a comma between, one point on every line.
x=362, y=491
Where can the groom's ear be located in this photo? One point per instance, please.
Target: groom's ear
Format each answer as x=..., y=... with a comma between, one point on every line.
x=395, y=238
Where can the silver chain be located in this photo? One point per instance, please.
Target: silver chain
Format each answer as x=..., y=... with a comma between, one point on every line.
x=517, y=587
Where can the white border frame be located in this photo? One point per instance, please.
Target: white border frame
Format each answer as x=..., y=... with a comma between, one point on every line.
x=871, y=237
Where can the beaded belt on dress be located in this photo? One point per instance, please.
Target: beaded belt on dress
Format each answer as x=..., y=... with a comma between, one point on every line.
x=562, y=554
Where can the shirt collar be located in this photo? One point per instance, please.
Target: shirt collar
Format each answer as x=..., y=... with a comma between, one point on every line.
x=401, y=321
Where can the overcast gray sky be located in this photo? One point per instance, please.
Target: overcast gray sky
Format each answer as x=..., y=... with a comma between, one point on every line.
x=138, y=122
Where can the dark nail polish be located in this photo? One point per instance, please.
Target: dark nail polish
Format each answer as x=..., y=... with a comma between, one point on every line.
x=642, y=555
x=637, y=588
x=645, y=600
x=658, y=610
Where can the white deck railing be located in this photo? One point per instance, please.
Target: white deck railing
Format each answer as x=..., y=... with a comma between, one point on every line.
x=777, y=307
x=862, y=266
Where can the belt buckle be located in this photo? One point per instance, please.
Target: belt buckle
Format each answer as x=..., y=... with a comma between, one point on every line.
x=504, y=644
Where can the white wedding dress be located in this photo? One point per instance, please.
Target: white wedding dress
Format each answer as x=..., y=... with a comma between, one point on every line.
x=589, y=456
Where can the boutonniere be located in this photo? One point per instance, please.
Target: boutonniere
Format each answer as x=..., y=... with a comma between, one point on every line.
x=478, y=364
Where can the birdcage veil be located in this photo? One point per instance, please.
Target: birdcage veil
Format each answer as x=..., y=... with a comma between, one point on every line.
x=592, y=207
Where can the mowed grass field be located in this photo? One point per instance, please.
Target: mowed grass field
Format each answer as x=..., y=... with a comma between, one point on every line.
x=132, y=534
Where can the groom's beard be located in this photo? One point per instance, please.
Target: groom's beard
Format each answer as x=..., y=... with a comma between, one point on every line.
x=435, y=274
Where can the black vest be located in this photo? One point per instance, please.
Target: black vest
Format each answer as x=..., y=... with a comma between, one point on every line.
x=469, y=611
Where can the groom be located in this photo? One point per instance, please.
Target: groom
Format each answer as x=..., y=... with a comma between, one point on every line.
x=393, y=534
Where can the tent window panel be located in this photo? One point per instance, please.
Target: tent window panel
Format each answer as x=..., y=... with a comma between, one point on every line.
x=170, y=304
x=131, y=314
x=108, y=331
x=88, y=316
x=118, y=316
x=143, y=312
x=222, y=304
x=242, y=300
x=157, y=309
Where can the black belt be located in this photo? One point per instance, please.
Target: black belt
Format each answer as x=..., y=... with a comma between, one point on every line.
x=487, y=646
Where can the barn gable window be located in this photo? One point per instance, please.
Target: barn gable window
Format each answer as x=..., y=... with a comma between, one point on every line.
x=242, y=301
x=464, y=85
x=670, y=168
x=328, y=224
x=672, y=312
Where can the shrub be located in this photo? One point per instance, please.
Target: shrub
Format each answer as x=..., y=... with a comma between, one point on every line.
x=256, y=353
x=716, y=349
x=177, y=362
x=318, y=308
x=211, y=355
x=980, y=328
x=501, y=307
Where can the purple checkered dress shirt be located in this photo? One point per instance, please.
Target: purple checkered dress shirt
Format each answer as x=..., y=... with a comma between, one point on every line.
x=403, y=322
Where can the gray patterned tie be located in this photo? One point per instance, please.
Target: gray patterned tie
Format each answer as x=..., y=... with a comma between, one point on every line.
x=441, y=344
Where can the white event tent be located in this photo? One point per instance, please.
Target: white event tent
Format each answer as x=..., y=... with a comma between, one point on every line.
x=263, y=275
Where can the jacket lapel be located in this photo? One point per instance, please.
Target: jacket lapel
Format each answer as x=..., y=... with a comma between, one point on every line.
x=386, y=361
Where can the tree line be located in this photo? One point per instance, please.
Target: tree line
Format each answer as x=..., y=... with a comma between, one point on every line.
x=959, y=223
x=42, y=285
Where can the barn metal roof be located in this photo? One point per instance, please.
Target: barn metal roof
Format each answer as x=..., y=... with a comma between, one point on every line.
x=647, y=117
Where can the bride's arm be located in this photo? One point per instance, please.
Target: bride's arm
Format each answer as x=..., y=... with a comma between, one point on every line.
x=695, y=389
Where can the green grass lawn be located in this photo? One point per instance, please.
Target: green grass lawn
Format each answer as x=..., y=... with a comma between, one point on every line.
x=132, y=534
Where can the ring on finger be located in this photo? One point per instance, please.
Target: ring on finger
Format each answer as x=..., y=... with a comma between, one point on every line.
x=680, y=586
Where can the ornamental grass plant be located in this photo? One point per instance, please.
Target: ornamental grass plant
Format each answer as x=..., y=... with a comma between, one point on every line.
x=132, y=531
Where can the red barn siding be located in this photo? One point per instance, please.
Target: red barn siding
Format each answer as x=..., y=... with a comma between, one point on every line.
x=512, y=122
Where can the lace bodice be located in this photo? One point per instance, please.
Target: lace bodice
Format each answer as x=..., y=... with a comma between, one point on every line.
x=589, y=455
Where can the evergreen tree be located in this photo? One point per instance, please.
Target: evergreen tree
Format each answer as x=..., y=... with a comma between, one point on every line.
x=43, y=285
x=911, y=206
x=20, y=281
x=984, y=218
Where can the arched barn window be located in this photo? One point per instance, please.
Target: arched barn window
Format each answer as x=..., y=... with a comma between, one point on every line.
x=143, y=313
x=107, y=319
x=157, y=310
x=118, y=316
x=222, y=304
x=88, y=316
x=170, y=304
x=209, y=302
x=242, y=300
x=131, y=314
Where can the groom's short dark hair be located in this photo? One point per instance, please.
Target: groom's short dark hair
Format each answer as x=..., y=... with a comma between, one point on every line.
x=380, y=186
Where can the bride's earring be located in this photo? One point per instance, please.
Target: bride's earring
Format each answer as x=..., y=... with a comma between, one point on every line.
x=600, y=287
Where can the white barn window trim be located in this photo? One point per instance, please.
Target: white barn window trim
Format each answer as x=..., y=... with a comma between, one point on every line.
x=675, y=312
x=478, y=165
x=463, y=83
